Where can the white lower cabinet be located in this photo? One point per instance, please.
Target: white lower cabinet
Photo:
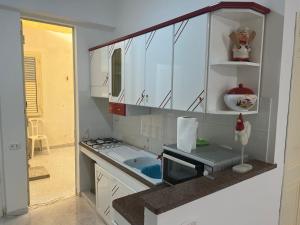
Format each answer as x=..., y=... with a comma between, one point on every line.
x=104, y=184
x=108, y=188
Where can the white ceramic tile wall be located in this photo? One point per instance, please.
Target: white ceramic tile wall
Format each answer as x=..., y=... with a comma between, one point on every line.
x=152, y=131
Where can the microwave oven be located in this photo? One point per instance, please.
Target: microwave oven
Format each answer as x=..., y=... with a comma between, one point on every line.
x=180, y=166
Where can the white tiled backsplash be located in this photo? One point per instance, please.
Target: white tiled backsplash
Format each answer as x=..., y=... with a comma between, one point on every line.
x=152, y=131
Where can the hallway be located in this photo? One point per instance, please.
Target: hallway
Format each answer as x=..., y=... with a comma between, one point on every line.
x=72, y=211
x=60, y=164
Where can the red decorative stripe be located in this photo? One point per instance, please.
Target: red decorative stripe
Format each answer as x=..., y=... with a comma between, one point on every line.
x=166, y=102
x=181, y=31
x=200, y=100
x=110, y=50
x=199, y=96
x=128, y=45
x=222, y=5
x=151, y=38
x=142, y=98
x=137, y=102
x=121, y=96
x=165, y=99
x=178, y=29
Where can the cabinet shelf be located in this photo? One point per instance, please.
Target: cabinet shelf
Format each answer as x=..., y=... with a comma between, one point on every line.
x=229, y=112
x=235, y=63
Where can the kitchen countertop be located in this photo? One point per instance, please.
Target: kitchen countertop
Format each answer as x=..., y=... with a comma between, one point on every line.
x=163, y=198
x=119, y=166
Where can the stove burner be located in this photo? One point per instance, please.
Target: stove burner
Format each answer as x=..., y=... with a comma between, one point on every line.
x=91, y=143
x=103, y=143
x=99, y=141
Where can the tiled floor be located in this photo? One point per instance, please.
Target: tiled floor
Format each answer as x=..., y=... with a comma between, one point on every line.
x=60, y=164
x=73, y=211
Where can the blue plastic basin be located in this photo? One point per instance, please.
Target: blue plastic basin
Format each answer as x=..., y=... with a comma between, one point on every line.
x=153, y=171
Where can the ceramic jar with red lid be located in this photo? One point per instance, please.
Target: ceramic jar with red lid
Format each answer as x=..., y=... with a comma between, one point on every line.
x=240, y=98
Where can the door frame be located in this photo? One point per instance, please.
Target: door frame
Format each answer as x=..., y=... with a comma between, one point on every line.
x=291, y=96
x=76, y=98
x=2, y=186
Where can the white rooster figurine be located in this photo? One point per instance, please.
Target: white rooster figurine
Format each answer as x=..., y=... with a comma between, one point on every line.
x=242, y=134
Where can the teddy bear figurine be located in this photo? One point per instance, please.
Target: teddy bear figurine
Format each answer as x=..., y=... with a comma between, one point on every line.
x=241, y=40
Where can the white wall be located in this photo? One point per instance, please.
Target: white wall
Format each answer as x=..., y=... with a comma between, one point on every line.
x=12, y=112
x=134, y=15
x=89, y=12
x=160, y=127
x=2, y=185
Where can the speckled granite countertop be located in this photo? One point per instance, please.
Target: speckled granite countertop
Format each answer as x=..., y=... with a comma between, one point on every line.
x=163, y=198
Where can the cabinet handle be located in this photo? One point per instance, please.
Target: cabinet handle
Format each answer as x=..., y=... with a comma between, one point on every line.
x=115, y=191
x=147, y=98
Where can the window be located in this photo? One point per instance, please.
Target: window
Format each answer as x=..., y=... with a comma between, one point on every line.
x=116, y=72
x=32, y=76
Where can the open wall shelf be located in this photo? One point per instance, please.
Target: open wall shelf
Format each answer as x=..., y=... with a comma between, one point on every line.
x=225, y=74
x=235, y=63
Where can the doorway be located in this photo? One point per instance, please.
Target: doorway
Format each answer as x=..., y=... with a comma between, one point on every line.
x=50, y=111
x=290, y=202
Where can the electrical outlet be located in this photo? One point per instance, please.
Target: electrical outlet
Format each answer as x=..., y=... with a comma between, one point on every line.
x=14, y=147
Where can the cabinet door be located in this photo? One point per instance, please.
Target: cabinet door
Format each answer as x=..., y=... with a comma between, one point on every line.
x=104, y=184
x=190, y=64
x=134, y=70
x=99, y=72
x=120, y=190
x=116, y=73
x=158, y=67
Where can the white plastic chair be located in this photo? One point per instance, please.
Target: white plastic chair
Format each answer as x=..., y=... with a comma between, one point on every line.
x=35, y=133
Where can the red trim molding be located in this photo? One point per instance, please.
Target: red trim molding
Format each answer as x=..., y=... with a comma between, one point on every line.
x=222, y=5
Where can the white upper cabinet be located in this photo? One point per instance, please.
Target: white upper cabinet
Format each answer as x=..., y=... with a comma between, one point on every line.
x=99, y=72
x=190, y=64
x=116, y=72
x=134, y=68
x=158, y=67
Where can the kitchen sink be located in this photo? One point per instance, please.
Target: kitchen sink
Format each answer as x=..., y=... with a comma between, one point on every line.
x=148, y=166
x=141, y=162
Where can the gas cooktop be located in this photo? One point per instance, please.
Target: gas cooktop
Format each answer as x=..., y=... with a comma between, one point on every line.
x=102, y=143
